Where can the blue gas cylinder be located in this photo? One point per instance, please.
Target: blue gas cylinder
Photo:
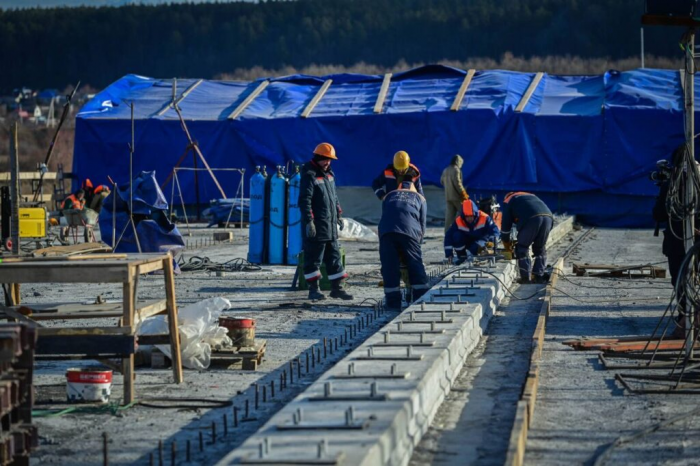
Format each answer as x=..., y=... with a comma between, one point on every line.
x=256, y=217
x=278, y=213
x=294, y=219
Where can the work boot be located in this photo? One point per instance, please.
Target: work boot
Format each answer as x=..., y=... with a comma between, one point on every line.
x=314, y=293
x=524, y=280
x=542, y=279
x=337, y=291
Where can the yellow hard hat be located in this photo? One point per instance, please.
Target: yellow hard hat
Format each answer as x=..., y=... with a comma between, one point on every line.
x=401, y=160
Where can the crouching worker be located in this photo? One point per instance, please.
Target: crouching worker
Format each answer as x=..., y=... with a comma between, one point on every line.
x=401, y=231
x=320, y=214
x=471, y=233
x=534, y=222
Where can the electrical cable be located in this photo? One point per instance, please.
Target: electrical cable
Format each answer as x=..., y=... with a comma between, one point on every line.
x=203, y=263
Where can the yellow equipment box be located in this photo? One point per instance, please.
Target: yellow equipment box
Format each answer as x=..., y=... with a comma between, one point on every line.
x=32, y=222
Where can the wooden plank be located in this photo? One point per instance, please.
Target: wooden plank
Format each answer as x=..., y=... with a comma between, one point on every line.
x=85, y=273
x=379, y=105
x=27, y=176
x=248, y=100
x=12, y=260
x=82, y=331
x=317, y=98
x=462, y=90
x=528, y=93
x=169, y=105
x=128, y=298
x=152, y=309
x=172, y=319
x=88, y=345
x=77, y=315
x=518, y=436
x=79, y=248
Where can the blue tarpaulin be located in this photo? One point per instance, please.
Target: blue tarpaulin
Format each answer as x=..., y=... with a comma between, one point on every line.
x=148, y=207
x=585, y=143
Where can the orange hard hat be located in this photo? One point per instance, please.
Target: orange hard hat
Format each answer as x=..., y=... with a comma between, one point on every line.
x=325, y=150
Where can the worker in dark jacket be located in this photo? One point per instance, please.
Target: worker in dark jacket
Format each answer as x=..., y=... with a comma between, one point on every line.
x=401, y=231
x=673, y=247
x=534, y=222
x=394, y=174
x=320, y=214
x=470, y=233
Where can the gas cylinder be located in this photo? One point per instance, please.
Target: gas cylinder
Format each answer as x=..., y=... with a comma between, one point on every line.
x=257, y=218
x=278, y=213
x=293, y=219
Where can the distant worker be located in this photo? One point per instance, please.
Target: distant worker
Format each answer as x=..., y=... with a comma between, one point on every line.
x=95, y=196
x=394, y=174
x=74, y=201
x=401, y=231
x=455, y=192
x=534, y=222
x=320, y=213
x=470, y=234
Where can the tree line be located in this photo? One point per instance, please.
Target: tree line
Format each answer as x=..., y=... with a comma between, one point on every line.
x=55, y=47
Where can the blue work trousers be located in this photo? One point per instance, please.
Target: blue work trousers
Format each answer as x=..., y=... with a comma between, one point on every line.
x=395, y=248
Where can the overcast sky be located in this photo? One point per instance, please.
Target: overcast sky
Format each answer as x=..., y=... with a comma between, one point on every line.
x=5, y=4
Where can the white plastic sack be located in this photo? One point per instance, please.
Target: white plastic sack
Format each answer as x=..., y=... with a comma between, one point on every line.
x=354, y=230
x=199, y=331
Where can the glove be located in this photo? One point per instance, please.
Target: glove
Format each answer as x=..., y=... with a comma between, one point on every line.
x=311, y=230
x=489, y=244
x=465, y=196
x=341, y=224
x=447, y=261
x=508, y=246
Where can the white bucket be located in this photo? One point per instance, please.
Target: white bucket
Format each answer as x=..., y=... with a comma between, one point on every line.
x=88, y=384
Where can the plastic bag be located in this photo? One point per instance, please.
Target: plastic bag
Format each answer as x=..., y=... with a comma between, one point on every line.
x=199, y=331
x=354, y=230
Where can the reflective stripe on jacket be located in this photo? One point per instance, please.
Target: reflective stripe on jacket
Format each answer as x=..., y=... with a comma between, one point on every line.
x=389, y=180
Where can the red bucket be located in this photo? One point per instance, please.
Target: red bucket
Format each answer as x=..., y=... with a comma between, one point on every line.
x=240, y=329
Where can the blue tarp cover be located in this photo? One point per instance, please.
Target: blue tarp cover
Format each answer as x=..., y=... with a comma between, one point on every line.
x=589, y=139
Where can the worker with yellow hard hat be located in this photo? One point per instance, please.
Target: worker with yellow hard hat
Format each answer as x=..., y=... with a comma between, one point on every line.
x=395, y=173
x=320, y=216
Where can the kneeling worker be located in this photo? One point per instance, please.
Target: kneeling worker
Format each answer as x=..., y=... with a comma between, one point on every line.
x=401, y=230
x=396, y=173
x=320, y=214
x=471, y=233
x=534, y=222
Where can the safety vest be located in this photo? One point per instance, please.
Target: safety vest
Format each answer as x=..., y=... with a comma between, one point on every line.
x=389, y=173
x=480, y=223
x=77, y=203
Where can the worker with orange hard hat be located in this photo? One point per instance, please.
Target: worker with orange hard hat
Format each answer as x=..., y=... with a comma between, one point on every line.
x=395, y=173
x=321, y=218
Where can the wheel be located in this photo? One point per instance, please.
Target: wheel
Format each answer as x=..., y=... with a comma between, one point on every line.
x=7, y=244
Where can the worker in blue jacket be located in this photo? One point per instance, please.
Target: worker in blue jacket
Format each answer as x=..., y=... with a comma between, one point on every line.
x=470, y=233
x=401, y=231
x=533, y=220
x=394, y=174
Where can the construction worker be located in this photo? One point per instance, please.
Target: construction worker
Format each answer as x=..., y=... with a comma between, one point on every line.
x=95, y=196
x=534, y=222
x=74, y=201
x=455, y=193
x=401, y=231
x=321, y=212
x=395, y=173
x=470, y=234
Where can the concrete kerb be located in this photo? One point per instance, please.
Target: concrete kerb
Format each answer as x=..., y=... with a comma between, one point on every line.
x=382, y=432
x=357, y=431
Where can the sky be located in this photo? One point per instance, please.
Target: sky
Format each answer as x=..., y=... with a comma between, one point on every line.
x=7, y=4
